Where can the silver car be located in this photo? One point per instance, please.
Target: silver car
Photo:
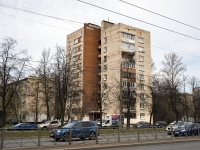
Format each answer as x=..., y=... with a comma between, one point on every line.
x=50, y=124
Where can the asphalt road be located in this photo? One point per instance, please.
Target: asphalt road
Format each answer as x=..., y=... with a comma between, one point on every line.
x=195, y=145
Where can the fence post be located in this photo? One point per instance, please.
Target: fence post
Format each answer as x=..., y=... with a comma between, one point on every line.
x=138, y=133
x=70, y=136
x=118, y=134
x=39, y=137
x=96, y=135
x=186, y=135
x=171, y=132
x=2, y=138
x=156, y=133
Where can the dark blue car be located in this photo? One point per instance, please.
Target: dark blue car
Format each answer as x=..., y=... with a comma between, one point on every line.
x=191, y=129
x=23, y=126
x=80, y=129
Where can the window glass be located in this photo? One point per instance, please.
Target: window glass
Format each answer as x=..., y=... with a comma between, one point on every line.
x=140, y=40
x=142, y=115
x=141, y=58
x=141, y=67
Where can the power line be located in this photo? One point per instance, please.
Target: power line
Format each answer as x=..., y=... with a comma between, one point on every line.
x=139, y=20
x=40, y=14
x=36, y=21
x=160, y=15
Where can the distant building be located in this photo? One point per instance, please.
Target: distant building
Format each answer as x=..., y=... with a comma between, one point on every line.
x=114, y=61
x=29, y=98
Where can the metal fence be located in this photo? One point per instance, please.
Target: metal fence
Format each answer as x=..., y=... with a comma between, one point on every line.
x=41, y=138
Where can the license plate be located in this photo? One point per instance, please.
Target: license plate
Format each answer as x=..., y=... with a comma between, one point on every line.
x=177, y=132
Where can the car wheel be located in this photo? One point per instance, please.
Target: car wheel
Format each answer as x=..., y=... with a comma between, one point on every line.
x=44, y=128
x=92, y=136
x=82, y=138
x=57, y=140
x=66, y=137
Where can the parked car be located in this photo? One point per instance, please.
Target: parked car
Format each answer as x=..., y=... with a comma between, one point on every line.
x=23, y=126
x=189, y=129
x=161, y=124
x=142, y=124
x=172, y=126
x=80, y=129
x=50, y=124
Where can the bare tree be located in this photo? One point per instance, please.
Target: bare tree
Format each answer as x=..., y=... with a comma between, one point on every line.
x=13, y=65
x=47, y=82
x=172, y=68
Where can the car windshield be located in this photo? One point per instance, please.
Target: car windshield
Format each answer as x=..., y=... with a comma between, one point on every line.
x=179, y=123
x=69, y=125
x=19, y=124
x=47, y=122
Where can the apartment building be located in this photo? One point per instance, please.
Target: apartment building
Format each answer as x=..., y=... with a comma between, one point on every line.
x=114, y=63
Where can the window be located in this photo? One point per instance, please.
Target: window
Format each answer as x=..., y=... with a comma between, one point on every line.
x=128, y=64
x=141, y=96
x=141, y=87
x=105, y=77
x=105, y=40
x=105, y=58
x=69, y=43
x=105, y=49
x=75, y=58
x=140, y=40
x=105, y=67
x=141, y=58
x=75, y=41
x=128, y=46
x=141, y=105
x=141, y=49
x=141, y=77
x=142, y=115
x=105, y=106
x=141, y=67
x=75, y=50
x=128, y=74
x=128, y=36
x=81, y=38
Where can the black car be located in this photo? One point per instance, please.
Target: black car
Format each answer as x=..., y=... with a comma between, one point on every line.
x=142, y=124
x=161, y=124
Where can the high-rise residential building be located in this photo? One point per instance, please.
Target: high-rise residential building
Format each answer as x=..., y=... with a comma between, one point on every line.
x=114, y=62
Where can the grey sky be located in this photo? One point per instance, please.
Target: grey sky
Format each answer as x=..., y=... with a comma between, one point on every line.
x=35, y=32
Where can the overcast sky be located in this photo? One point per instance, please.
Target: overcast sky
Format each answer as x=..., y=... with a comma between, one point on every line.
x=35, y=32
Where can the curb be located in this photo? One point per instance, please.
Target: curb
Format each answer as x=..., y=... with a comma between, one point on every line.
x=109, y=145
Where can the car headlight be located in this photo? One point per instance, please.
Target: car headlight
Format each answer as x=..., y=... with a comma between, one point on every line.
x=58, y=131
x=183, y=130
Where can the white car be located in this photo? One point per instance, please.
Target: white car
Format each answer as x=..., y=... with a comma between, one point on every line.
x=174, y=125
x=50, y=124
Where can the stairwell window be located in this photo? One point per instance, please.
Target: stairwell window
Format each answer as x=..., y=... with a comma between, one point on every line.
x=105, y=77
x=105, y=40
x=141, y=49
x=141, y=77
x=105, y=49
x=105, y=58
x=140, y=40
x=141, y=58
x=141, y=67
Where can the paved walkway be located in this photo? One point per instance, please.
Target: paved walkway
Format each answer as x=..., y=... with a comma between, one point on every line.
x=109, y=145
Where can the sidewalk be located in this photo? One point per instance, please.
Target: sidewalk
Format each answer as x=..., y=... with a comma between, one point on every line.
x=110, y=145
